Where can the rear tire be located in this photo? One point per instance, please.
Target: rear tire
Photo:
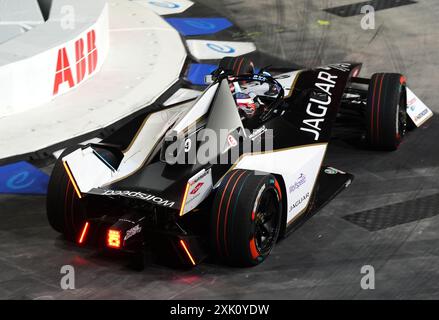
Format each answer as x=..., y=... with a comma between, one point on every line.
x=66, y=212
x=237, y=65
x=246, y=218
x=386, y=111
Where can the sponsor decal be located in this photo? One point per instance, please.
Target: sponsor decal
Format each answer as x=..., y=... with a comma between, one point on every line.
x=197, y=188
x=199, y=176
x=299, y=182
x=86, y=59
x=200, y=187
x=165, y=4
x=332, y=171
x=133, y=231
x=285, y=76
x=126, y=220
x=422, y=115
x=298, y=202
x=232, y=141
x=258, y=77
x=20, y=181
x=318, y=105
x=192, y=198
x=412, y=103
x=220, y=48
x=257, y=133
x=416, y=109
x=140, y=196
x=344, y=67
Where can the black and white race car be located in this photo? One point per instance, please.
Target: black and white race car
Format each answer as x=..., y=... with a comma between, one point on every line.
x=231, y=173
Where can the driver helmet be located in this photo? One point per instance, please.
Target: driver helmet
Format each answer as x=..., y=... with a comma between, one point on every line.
x=246, y=104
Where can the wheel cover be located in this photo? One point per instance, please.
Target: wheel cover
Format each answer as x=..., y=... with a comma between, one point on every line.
x=266, y=221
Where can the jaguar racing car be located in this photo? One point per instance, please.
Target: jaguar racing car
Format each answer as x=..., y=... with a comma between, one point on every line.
x=229, y=174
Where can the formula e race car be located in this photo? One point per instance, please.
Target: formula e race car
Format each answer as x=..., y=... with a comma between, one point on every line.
x=229, y=174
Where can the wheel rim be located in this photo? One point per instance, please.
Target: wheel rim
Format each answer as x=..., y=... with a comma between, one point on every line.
x=401, y=122
x=266, y=221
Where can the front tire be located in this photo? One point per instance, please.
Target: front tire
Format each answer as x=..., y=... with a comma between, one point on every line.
x=66, y=212
x=246, y=218
x=386, y=111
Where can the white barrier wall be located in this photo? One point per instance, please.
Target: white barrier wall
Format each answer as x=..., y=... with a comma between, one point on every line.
x=145, y=58
x=17, y=17
x=54, y=57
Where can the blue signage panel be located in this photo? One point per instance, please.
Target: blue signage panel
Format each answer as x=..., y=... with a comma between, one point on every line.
x=197, y=72
x=22, y=178
x=199, y=26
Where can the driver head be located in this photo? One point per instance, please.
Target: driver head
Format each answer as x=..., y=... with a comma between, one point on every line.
x=246, y=104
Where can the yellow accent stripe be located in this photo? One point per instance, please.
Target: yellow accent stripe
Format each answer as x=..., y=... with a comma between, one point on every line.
x=183, y=203
x=137, y=133
x=187, y=252
x=290, y=93
x=69, y=173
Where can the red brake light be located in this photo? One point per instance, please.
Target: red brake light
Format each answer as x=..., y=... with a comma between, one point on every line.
x=83, y=233
x=114, y=239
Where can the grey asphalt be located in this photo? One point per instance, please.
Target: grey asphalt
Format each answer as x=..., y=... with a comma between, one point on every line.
x=388, y=218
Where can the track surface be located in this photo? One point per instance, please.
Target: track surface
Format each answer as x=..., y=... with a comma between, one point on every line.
x=388, y=218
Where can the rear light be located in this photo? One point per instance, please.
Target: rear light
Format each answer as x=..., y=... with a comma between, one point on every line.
x=114, y=239
x=83, y=233
x=183, y=244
